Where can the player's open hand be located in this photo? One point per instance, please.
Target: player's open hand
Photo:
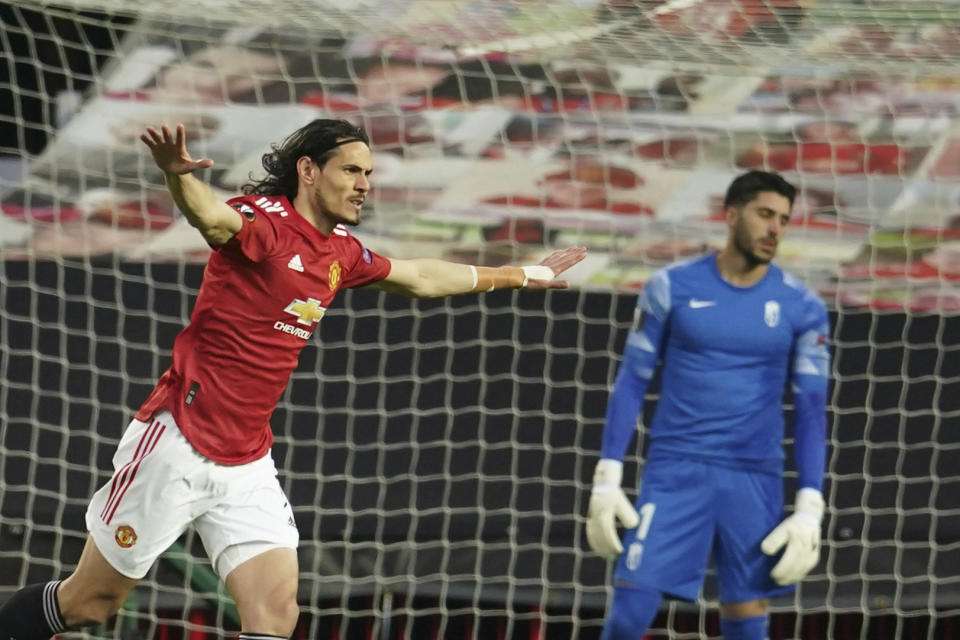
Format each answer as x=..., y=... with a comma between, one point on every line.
x=608, y=505
x=169, y=150
x=800, y=534
x=541, y=276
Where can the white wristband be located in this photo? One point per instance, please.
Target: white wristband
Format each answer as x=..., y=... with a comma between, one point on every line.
x=537, y=272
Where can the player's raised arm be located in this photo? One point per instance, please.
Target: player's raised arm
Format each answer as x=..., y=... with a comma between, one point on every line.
x=216, y=220
x=424, y=278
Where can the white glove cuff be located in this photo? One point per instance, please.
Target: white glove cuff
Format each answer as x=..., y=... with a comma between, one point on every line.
x=809, y=502
x=607, y=475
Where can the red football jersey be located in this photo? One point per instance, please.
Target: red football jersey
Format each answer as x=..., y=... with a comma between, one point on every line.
x=262, y=295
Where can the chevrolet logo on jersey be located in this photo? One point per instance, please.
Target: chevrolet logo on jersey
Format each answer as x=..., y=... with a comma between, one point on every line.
x=307, y=311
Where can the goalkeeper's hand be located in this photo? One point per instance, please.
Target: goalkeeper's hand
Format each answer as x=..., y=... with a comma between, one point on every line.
x=608, y=503
x=800, y=532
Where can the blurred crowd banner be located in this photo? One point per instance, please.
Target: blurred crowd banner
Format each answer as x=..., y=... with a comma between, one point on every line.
x=502, y=129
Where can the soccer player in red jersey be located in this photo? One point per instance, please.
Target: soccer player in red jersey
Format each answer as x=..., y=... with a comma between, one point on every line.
x=198, y=450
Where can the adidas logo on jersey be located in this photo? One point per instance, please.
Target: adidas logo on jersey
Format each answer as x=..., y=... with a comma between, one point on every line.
x=295, y=263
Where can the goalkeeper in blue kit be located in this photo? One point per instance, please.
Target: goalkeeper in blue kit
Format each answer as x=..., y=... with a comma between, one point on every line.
x=728, y=330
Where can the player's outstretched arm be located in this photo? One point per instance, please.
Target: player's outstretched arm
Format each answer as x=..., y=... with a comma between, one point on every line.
x=216, y=220
x=426, y=278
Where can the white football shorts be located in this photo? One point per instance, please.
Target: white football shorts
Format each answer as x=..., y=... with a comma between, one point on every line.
x=160, y=485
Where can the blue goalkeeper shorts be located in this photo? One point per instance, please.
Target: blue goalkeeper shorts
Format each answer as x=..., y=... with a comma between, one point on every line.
x=691, y=511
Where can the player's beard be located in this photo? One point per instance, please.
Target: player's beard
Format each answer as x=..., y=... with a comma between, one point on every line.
x=353, y=222
x=745, y=243
x=343, y=215
x=349, y=218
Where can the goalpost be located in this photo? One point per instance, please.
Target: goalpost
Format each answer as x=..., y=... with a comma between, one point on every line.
x=438, y=453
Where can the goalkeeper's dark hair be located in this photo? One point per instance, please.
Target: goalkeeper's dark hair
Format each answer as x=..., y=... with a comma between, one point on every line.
x=745, y=188
x=317, y=140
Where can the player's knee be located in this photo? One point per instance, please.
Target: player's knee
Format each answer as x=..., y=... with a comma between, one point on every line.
x=290, y=613
x=84, y=603
x=749, y=609
x=91, y=609
x=276, y=615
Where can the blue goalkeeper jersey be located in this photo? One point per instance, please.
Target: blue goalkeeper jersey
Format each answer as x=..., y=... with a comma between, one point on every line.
x=726, y=354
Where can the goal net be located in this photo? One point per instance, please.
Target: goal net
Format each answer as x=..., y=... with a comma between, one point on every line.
x=438, y=453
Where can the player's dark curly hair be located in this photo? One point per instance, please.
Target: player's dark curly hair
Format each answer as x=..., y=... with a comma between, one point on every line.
x=317, y=140
x=745, y=188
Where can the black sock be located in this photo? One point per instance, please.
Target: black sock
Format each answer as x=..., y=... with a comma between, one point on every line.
x=33, y=613
x=246, y=635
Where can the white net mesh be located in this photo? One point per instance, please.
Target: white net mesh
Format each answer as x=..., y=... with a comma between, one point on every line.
x=438, y=453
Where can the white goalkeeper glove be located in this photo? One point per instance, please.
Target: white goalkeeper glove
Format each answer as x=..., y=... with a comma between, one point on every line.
x=608, y=503
x=800, y=532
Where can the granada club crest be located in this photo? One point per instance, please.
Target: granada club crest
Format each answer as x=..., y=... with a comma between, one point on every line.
x=771, y=313
x=334, y=275
x=125, y=536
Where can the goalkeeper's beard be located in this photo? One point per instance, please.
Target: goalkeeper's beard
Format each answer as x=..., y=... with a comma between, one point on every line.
x=745, y=244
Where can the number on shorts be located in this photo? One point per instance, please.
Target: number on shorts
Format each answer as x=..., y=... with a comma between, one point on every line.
x=635, y=551
x=646, y=516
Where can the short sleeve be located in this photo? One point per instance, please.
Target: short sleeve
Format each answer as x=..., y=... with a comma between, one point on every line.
x=362, y=266
x=258, y=238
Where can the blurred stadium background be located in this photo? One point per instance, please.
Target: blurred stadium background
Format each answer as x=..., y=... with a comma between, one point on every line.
x=438, y=453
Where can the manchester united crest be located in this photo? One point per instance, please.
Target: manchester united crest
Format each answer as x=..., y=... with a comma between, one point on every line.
x=334, y=274
x=125, y=536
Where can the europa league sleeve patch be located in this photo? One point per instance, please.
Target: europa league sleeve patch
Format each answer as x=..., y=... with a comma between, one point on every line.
x=248, y=212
